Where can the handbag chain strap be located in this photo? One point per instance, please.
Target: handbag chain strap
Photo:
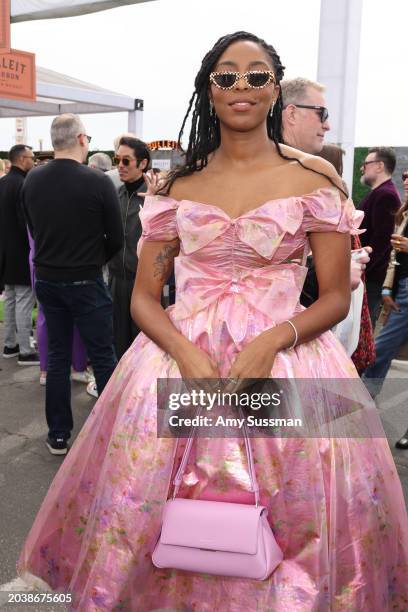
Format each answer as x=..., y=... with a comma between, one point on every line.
x=251, y=467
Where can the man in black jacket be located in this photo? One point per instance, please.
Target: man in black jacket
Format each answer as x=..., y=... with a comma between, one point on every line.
x=15, y=272
x=73, y=215
x=133, y=158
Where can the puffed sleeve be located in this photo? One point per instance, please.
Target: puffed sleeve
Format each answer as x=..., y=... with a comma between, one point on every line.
x=325, y=211
x=158, y=219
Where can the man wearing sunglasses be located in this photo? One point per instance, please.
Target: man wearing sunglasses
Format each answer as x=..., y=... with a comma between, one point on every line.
x=380, y=207
x=114, y=172
x=305, y=118
x=132, y=159
x=305, y=122
x=73, y=216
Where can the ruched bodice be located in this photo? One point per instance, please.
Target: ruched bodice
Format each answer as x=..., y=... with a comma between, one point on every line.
x=257, y=256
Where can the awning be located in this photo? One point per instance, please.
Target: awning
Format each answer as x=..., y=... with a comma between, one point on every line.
x=59, y=93
x=27, y=10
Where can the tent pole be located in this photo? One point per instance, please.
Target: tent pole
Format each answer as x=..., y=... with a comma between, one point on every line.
x=135, y=119
x=339, y=52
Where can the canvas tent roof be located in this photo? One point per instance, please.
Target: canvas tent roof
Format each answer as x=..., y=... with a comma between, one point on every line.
x=59, y=93
x=27, y=10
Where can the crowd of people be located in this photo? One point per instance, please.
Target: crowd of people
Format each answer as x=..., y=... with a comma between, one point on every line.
x=257, y=224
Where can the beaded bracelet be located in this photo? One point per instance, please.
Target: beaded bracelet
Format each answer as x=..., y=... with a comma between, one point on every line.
x=296, y=334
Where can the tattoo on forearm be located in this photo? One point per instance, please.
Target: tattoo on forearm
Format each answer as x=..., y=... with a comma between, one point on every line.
x=163, y=262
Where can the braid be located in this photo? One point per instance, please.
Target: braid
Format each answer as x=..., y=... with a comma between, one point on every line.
x=205, y=134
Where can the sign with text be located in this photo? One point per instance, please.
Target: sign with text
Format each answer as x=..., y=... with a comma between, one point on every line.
x=5, y=25
x=162, y=164
x=17, y=75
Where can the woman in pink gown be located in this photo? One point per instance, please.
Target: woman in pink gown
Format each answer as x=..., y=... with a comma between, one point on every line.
x=236, y=230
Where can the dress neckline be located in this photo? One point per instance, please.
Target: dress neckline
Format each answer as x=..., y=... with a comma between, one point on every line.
x=332, y=190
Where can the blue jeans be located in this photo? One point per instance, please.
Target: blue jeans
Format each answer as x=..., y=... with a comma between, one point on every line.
x=392, y=336
x=88, y=304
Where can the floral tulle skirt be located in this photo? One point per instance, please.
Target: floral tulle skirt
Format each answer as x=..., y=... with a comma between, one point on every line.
x=335, y=504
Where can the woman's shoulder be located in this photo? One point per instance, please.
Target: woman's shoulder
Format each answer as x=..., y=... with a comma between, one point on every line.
x=184, y=186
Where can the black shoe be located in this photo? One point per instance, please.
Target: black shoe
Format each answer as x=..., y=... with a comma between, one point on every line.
x=57, y=446
x=32, y=359
x=403, y=442
x=11, y=351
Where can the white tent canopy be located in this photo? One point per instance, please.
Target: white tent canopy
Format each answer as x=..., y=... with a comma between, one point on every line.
x=27, y=10
x=58, y=93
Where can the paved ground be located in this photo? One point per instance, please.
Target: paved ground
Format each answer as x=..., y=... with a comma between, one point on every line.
x=26, y=467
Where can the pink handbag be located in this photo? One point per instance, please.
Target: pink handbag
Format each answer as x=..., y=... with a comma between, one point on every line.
x=221, y=538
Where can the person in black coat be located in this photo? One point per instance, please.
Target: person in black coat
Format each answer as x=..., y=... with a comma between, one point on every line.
x=15, y=271
x=73, y=216
x=132, y=159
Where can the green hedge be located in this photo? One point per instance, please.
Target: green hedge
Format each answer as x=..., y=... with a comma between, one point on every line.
x=359, y=190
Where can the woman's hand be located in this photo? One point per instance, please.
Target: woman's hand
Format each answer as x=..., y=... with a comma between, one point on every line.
x=195, y=363
x=388, y=306
x=399, y=243
x=255, y=360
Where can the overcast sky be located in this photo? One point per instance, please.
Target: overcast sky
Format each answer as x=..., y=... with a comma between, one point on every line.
x=153, y=51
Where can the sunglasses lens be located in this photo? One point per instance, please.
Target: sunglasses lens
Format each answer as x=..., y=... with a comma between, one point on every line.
x=258, y=79
x=224, y=79
x=324, y=115
x=124, y=161
x=405, y=176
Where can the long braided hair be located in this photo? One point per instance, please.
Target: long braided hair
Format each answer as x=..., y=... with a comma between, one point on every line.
x=205, y=134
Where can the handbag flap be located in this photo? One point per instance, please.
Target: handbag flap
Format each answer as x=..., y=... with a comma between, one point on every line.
x=211, y=525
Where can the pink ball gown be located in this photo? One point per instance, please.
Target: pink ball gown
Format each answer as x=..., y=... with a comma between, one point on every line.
x=335, y=505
